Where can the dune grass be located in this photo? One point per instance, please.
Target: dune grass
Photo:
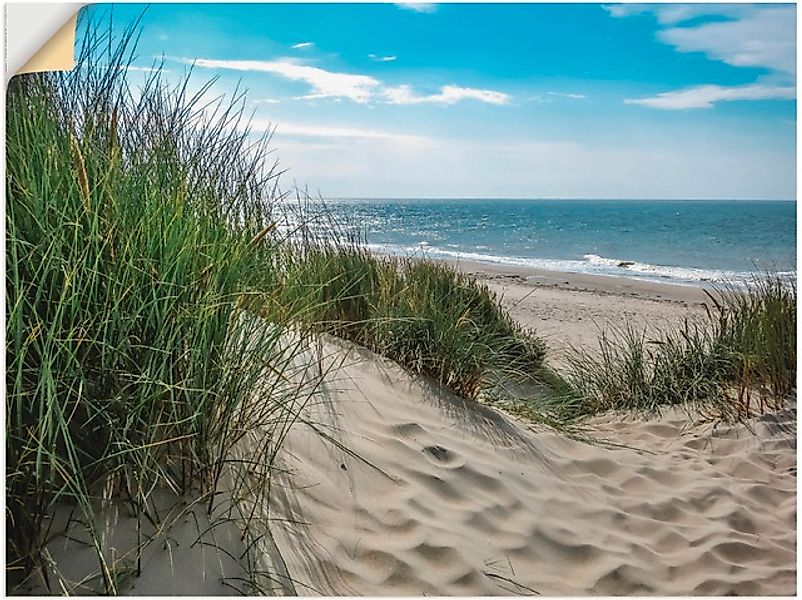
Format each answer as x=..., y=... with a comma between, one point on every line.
x=425, y=315
x=739, y=361
x=133, y=231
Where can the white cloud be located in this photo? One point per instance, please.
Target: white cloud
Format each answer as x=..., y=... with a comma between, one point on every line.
x=449, y=94
x=549, y=97
x=567, y=95
x=325, y=84
x=757, y=36
x=302, y=45
x=378, y=58
x=705, y=96
x=421, y=7
x=309, y=130
x=359, y=88
x=671, y=14
x=144, y=69
x=761, y=37
x=751, y=36
x=625, y=10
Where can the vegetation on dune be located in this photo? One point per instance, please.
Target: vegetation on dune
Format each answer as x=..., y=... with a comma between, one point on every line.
x=131, y=220
x=740, y=360
x=423, y=314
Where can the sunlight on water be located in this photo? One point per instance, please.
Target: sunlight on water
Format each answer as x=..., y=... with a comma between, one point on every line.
x=683, y=241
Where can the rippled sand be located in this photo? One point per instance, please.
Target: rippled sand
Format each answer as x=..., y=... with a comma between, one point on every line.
x=398, y=487
x=443, y=496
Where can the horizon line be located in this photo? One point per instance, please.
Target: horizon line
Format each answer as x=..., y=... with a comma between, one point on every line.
x=558, y=198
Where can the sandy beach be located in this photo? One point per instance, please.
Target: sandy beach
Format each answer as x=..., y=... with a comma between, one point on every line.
x=569, y=309
x=412, y=490
x=442, y=496
x=445, y=497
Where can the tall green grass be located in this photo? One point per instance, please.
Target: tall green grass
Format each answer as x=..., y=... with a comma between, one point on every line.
x=758, y=328
x=423, y=314
x=136, y=225
x=739, y=360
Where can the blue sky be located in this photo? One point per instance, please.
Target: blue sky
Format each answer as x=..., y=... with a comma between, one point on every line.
x=492, y=100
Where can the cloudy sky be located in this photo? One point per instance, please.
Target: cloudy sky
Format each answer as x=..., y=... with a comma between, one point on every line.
x=544, y=100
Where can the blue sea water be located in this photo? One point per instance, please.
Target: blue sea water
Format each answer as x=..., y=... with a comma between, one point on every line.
x=686, y=241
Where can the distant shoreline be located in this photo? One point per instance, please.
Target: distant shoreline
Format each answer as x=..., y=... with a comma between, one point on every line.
x=603, y=284
x=598, y=281
x=569, y=310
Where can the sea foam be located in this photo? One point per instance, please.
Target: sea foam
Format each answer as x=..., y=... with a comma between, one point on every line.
x=590, y=264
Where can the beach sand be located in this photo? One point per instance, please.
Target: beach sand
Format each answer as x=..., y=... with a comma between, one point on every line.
x=412, y=490
x=441, y=496
x=188, y=552
x=569, y=309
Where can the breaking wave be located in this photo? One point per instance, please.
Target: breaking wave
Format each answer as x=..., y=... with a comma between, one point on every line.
x=591, y=264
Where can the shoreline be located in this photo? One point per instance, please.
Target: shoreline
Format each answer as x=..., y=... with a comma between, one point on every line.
x=687, y=294
x=737, y=279
x=593, y=266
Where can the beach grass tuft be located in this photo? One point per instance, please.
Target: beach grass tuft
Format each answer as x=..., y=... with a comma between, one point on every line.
x=739, y=360
x=130, y=361
x=425, y=315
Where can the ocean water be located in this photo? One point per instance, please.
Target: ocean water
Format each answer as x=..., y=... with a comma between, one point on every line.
x=685, y=241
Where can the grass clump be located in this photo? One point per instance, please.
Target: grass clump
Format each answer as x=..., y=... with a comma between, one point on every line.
x=131, y=220
x=741, y=359
x=425, y=315
x=759, y=329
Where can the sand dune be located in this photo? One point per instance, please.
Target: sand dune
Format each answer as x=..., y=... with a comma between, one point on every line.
x=443, y=496
x=395, y=486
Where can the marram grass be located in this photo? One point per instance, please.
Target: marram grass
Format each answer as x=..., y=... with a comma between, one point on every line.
x=423, y=314
x=135, y=225
x=739, y=361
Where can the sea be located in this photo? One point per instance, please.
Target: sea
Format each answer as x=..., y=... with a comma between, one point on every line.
x=690, y=242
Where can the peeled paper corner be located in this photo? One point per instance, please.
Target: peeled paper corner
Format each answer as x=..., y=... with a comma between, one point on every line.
x=40, y=37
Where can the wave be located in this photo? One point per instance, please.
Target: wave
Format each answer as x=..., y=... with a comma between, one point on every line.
x=665, y=271
x=591, y=264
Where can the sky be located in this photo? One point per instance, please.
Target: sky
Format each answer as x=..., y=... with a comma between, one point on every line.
x=501, y=100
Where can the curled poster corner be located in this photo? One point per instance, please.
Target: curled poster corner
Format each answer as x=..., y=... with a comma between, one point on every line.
x=58, y=52
x=47, y=43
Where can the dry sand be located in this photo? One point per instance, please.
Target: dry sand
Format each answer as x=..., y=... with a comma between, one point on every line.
x=441, y=496
x=445, y=497
x=187, y=552
x=415, y=491
x=569, y=309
